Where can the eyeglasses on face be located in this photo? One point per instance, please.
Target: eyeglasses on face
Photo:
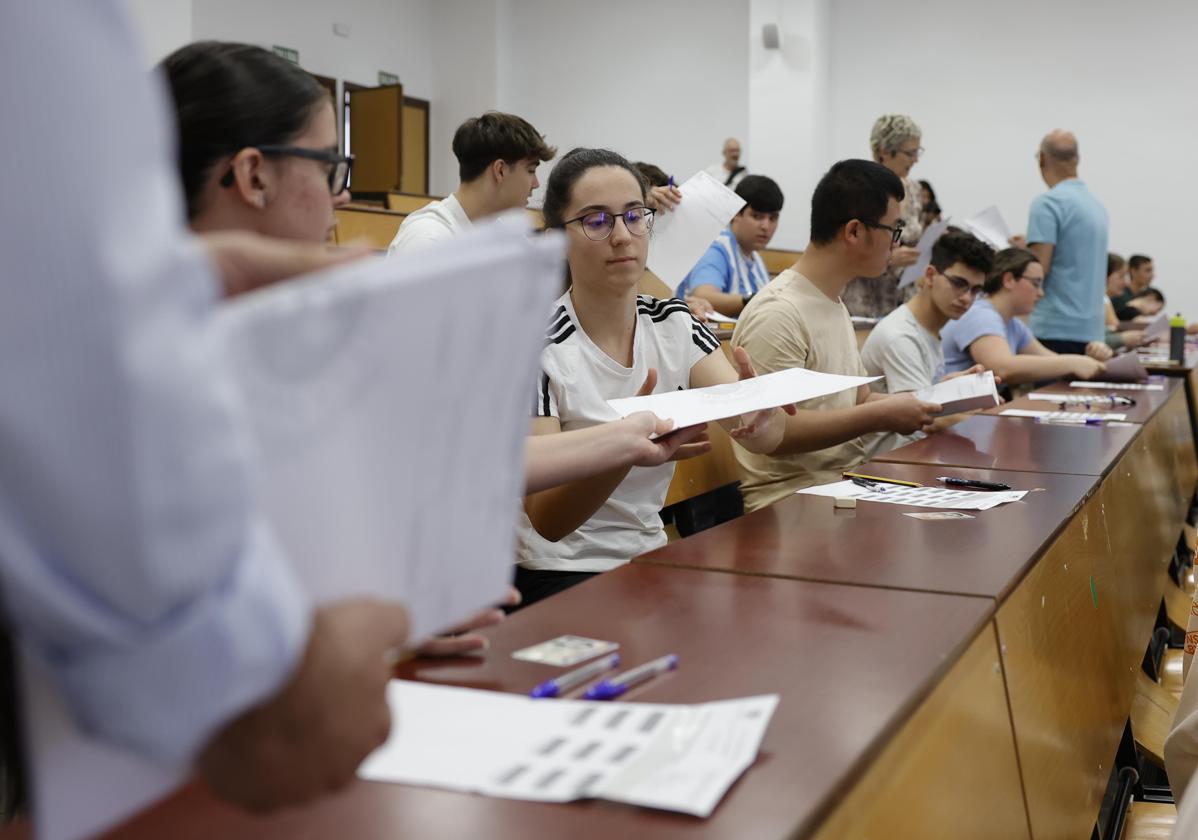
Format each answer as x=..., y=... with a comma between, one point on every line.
x=896, y=230
x=598, y=226
x=960, y=284
x=914, y=154
x=1038, y=282
x=339, y=165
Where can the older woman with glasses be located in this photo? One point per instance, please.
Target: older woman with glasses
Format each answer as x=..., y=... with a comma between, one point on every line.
x=604, y=342
x=894, y=143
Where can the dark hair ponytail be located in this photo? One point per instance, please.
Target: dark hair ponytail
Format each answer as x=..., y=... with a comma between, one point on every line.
x=572, y=167
x=229, y=96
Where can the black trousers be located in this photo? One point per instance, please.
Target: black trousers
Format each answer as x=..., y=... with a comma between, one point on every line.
x=1059, y=345
x=536, y=585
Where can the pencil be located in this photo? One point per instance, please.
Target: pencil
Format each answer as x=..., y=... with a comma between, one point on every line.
x=881, y=478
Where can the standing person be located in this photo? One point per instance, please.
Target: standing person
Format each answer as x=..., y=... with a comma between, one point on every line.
x=894, y=142
x=498, y=155
x=1067, y=231
x=135, y=566
x=729, y=171
x=799, y=320
x=731, y=271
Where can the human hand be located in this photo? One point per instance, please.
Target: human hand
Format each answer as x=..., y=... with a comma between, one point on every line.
x=1087, y=367
x=1018, y=240
x=1099, y=350
x=675, y=445
x=310, y=737
x=1134, y=338
x=246, y=261
x=757, y=421
x=903, y=256
x=970, y=372
x=905, y=413
x=663, y=198
x=461, y=640
x=700, y=307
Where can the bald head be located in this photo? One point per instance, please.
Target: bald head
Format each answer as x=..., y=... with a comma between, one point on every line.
x=1058, y=155
x=731, y=153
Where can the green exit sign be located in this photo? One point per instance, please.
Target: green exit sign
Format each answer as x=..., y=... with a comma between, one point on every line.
x=287, y=53
x=387, y=78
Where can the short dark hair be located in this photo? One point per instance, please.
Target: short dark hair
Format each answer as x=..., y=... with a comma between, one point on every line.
x=654, y=176
x=229, y=96
x=965, y=248
x=1114, y=262
x=569, y=169
x=760, y=193
x=851, y=189
x=927, y=186
x=1152, y=292
x=1137, y=260
x=1013, y=260
x=480, y=141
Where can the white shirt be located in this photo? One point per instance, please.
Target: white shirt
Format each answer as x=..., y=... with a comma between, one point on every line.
x=577, y=379
x=436, y=222
x=903, y=351
x=717, y=171
x=132, y=562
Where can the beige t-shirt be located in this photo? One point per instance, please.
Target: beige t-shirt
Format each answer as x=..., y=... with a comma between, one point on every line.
x=791, y=323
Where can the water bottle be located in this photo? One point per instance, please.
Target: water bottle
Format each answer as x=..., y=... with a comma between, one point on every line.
x=1177, y=339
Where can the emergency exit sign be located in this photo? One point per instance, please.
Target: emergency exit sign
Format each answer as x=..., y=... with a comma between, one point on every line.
x=287, y=53
x=387, y=78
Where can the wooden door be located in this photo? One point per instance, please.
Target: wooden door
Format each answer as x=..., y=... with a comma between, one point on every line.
x=376, y=138
x=414, y=170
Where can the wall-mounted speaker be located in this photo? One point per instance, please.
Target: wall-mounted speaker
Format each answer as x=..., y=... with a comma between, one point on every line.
x=769, y=36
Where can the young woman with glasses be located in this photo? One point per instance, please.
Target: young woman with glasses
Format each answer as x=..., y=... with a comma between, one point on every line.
x=604, y=342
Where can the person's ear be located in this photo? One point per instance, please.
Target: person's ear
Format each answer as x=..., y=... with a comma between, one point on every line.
x=251, y=177
x=498, y=169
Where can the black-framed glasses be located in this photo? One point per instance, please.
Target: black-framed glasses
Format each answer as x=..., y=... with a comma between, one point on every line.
x=960, y=284
x=339, y=165
x=598, y=226
x=896, y=230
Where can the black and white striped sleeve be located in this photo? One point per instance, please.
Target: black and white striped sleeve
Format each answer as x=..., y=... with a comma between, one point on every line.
x=545, y=403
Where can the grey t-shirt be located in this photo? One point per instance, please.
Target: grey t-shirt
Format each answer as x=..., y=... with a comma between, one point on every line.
x=909, y=357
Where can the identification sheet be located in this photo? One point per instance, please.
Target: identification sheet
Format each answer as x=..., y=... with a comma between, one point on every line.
x=682, y=235
x=702, y=405
x=674, y=757
x=929, y=497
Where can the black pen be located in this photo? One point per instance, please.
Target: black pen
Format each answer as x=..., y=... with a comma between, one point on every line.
x=970, y=482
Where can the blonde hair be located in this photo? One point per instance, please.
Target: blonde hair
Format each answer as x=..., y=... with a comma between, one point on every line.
x=890, y=131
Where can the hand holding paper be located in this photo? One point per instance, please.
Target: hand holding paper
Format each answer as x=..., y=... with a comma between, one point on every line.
x=681, y=236
x=962, y=393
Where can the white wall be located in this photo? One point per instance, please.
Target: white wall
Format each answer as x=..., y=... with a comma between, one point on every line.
x=165, y=25
x=985, y=83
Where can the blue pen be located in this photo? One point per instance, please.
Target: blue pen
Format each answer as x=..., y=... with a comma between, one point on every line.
x=670, y=183
x=617, y=685
x=559, y=685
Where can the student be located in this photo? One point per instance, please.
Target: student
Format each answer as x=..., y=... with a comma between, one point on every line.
x=605, y=341
x=929, y=212
x=731, y=271
x=1116, y=285
x=498, y=155
x=799, y=320
x=991, y=333
x=904, y=347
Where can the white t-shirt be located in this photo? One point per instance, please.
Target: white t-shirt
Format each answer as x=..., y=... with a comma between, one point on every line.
x=717, y=171
x=909, y=357
x=433, y=223
x=577, y=379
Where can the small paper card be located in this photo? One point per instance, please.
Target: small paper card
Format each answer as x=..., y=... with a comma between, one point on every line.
x=565, y=650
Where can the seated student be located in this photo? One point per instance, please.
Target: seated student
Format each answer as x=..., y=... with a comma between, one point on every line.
x=731, y=271
x=905, y=345
x=929, y=212
x=603, y=342
x=799, y=320
x=1116, y=284
x=991, y=333
x=498, y=155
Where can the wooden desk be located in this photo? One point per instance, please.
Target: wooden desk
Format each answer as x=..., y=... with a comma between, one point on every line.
x=1007, y=443
x=1187, y=373
x=856, y=668
x=1147, y=402
x=803, y=537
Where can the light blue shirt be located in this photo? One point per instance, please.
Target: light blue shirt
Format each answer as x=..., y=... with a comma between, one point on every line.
x=132, y=562
x=1072, y=220
x=982, y=319
x=726, y=267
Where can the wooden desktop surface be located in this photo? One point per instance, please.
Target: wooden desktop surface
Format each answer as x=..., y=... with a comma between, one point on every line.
x=1008, y=443
x=1147, y=403
x=851, y=664
x=803, y=537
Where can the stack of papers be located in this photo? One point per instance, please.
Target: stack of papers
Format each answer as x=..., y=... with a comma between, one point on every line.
x=962, y=393
x=929, y=497
x=1125, y=367
x=702, y=405
x=673, y=757
x=681, y=235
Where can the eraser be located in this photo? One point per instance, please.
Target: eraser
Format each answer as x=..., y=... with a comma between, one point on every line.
x=844, y=502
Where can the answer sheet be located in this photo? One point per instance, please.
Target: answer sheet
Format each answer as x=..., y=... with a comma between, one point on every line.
x=914, y=271
x=702, y=405
x=929, y=497
x=675, y=757
x=962, y=393
x=1125, y=367
x=682, y=235
x=989, y=226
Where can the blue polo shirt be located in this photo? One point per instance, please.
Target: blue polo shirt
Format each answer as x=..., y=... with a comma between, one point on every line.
x=982, y=319
x=724, y=266
x=1075, y=223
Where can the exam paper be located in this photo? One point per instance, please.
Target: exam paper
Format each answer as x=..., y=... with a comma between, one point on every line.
x=701, y=405
x=1125, y=367
x=674, y=757
x=929, y=497
x=721, y=318
x=1157, y=327
x=1079, y=417
x=1118, y=386
x=682, y=235
x=962, y=393
x=989, y=226
x=926, y=240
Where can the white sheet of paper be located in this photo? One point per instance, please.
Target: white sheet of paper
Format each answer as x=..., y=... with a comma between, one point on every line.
x=1118, y=386
x=926, y=240
x=863, y=320
x=989, y=226
x=962, y=393
x=929, y=497
x=340, y=390
x=1157, y=327
x=682, y=235
x=702, y=405
x=1125, y=367
x=1071, y=399
x=718, y=317
x=674, y=757
x=1079, y=417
